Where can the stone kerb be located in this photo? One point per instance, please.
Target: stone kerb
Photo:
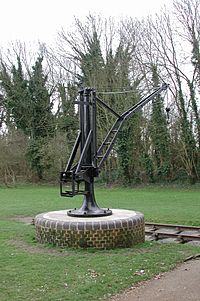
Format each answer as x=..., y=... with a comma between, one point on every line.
x=123, y=228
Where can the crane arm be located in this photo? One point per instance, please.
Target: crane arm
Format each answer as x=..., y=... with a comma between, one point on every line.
x=109, y=141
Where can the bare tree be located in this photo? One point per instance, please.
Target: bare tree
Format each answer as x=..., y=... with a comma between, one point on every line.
x=188, y=15
x=164, y=46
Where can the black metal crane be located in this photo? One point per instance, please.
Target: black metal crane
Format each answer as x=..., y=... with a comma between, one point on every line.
x=92, y=158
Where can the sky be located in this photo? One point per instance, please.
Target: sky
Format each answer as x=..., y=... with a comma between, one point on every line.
x=33, y=20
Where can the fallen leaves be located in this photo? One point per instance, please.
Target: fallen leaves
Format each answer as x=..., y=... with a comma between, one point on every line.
x=92, y=274
x=139, y=273
x=157, y=277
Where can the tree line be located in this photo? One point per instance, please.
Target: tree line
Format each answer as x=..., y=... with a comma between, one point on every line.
x=39, y=120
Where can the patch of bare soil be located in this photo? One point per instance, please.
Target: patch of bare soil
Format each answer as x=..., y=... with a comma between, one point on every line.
x=37, y=249
x=29, y=220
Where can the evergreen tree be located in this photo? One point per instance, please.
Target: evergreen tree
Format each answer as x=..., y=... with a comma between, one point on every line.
x=92, y=62
x=67, y=118
x=28, y=108
x=16, y=98
x=111, y=75
x=41, y=118
x=129, y=144
x=159, y=134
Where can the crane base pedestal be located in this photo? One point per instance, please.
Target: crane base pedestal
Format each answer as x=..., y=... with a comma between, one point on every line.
x=124, y=228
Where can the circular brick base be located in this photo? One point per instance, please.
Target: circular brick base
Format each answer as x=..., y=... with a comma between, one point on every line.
x=123, y=228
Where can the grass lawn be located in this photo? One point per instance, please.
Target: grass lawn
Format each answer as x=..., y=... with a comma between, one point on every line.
x=30, y=271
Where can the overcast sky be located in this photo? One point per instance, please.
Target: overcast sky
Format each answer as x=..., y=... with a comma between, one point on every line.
x=32, y=20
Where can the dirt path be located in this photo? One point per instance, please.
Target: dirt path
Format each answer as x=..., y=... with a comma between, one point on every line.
x=182, y=284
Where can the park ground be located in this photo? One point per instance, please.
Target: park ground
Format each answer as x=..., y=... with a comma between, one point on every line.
x=30, y=271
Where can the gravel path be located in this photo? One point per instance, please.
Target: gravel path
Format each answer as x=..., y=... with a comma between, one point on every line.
x=181, y=284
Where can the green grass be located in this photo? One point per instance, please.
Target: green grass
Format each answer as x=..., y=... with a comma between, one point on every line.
x=30, y=271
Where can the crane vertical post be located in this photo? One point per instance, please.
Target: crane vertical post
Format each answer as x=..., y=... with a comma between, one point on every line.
x=86, y=168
